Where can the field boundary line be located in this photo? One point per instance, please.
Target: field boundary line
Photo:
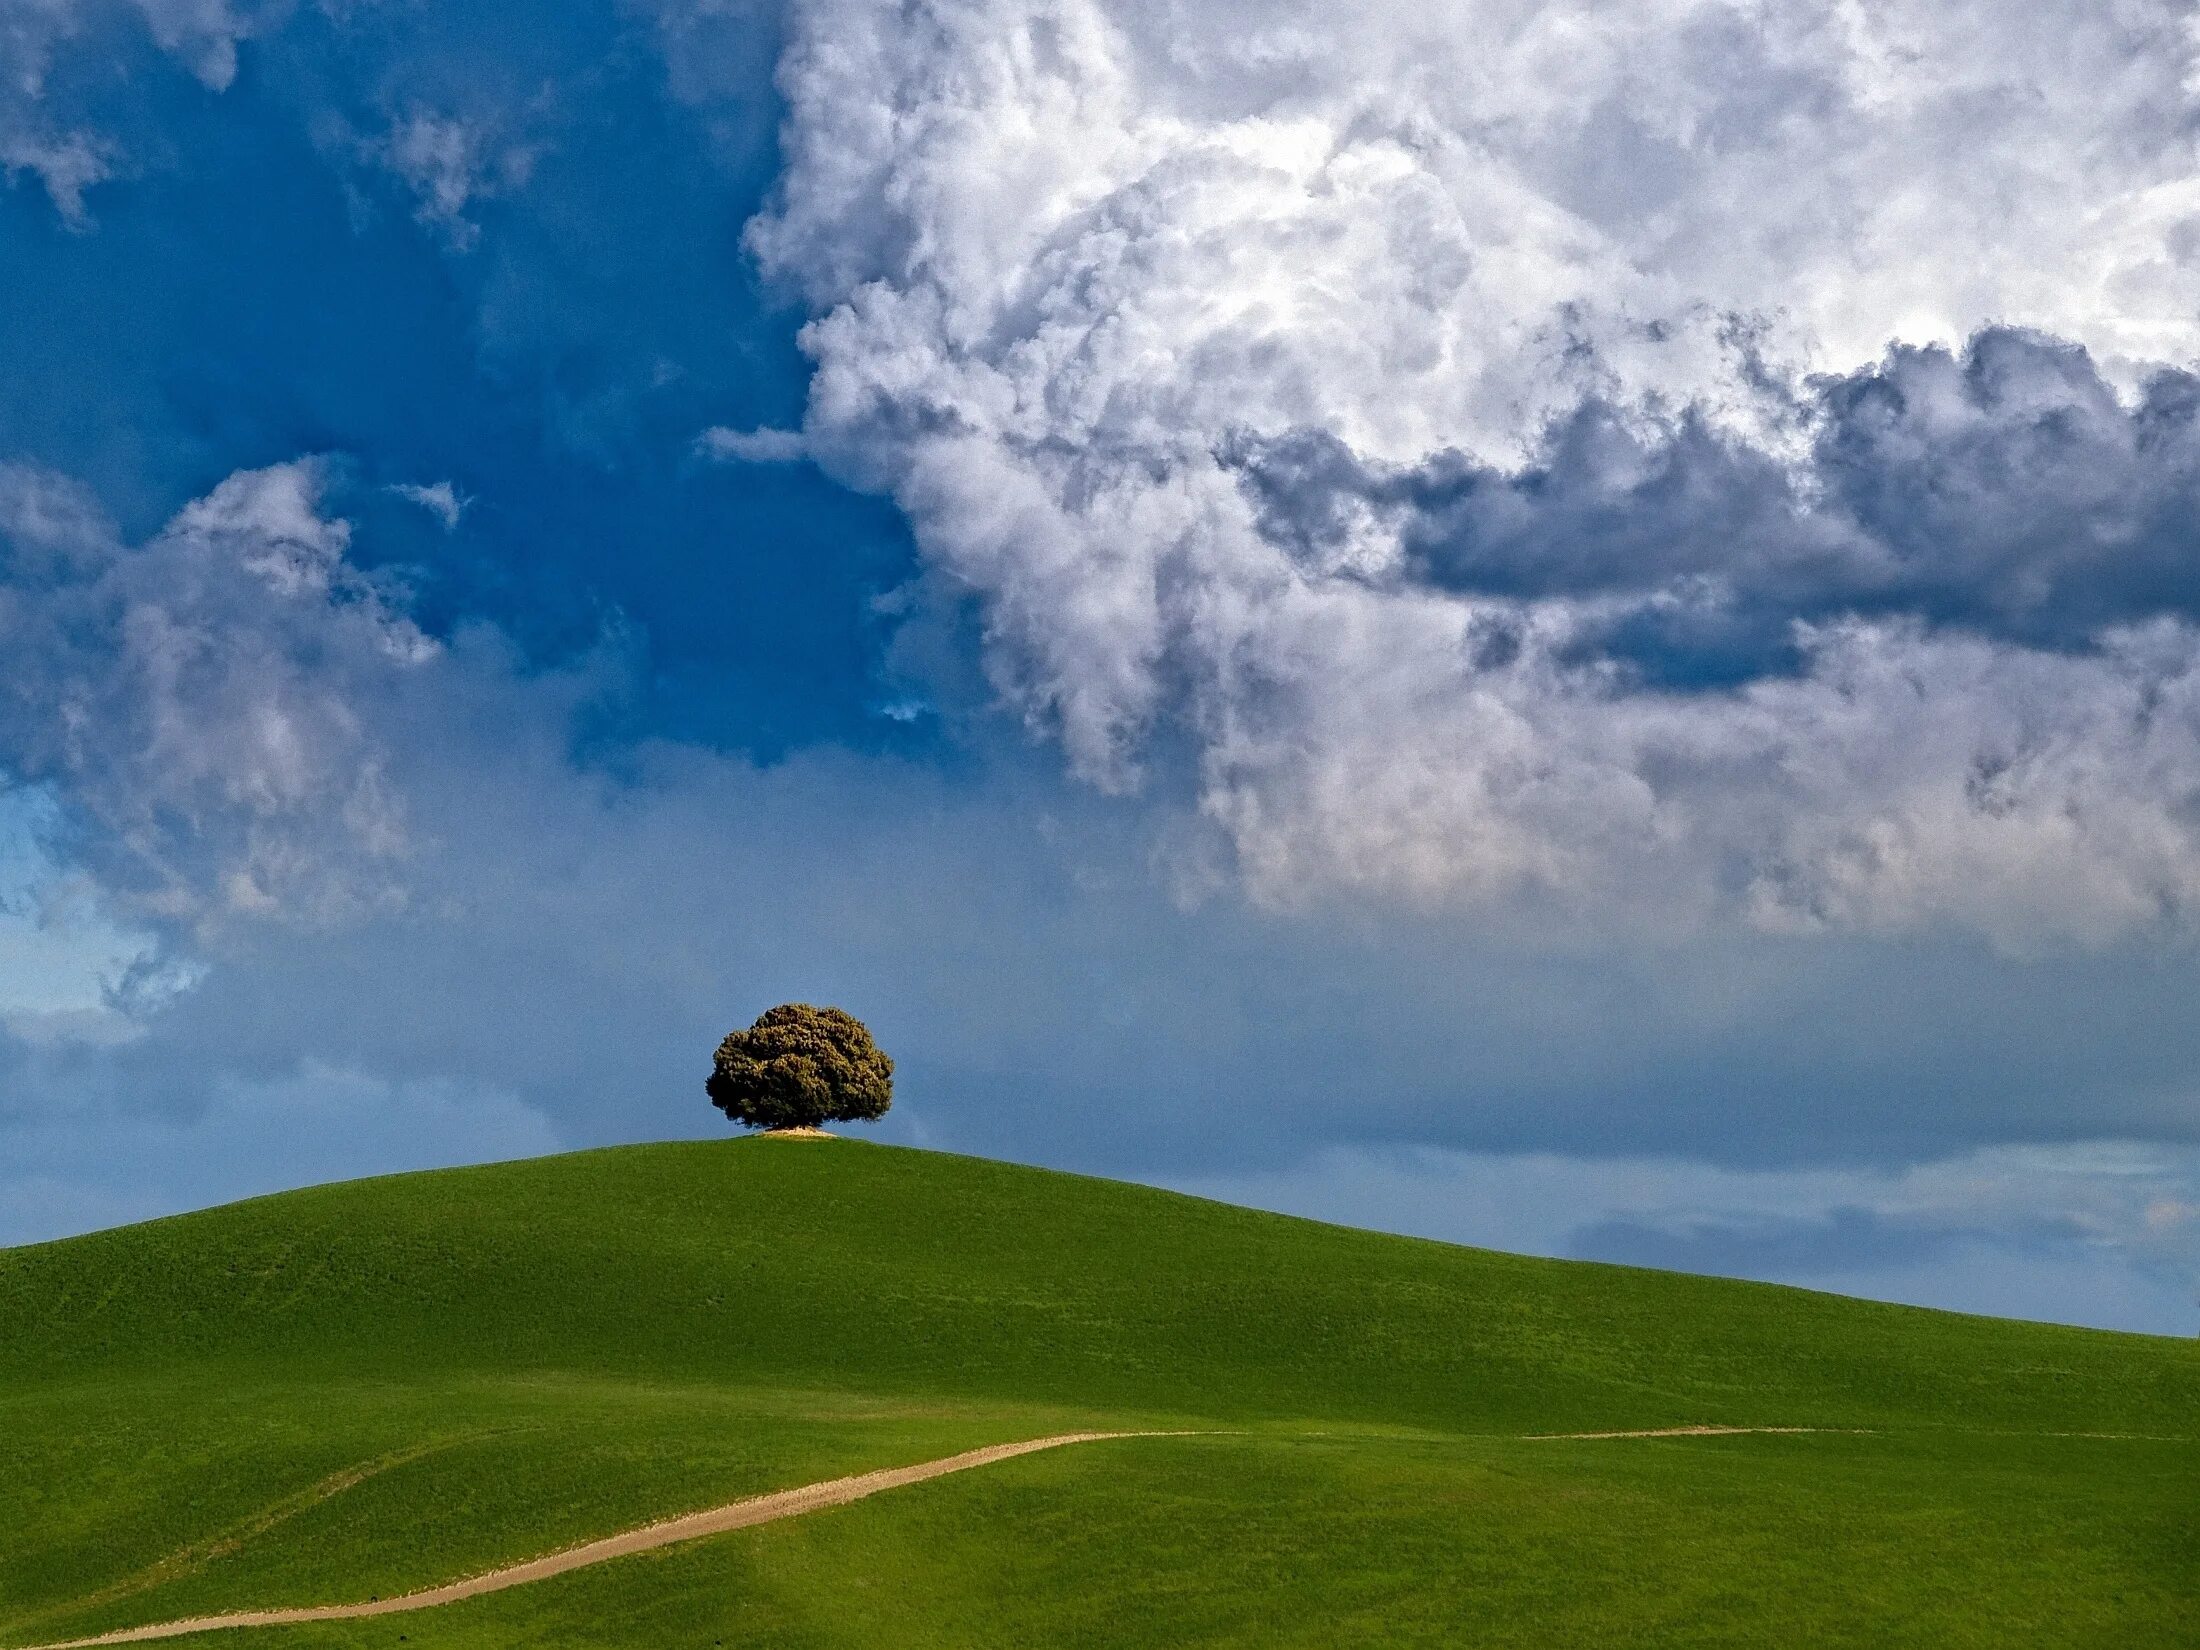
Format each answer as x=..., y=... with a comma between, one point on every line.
x=1681, y=1432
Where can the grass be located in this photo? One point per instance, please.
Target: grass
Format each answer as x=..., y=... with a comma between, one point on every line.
x=366, y=1388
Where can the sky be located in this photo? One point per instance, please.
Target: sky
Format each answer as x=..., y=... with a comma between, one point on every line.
x=1568, y=626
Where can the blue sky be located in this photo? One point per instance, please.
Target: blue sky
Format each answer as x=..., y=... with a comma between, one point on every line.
x=1566, y=628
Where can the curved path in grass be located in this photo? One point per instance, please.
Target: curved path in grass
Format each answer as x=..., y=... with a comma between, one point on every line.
x=736, y=1515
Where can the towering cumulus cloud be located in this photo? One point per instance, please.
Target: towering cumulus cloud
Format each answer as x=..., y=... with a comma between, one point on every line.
x=1682, y=458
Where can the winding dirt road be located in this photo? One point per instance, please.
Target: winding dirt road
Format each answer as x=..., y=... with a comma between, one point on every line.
x=737, y=1515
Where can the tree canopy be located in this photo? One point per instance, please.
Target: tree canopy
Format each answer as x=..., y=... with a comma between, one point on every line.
x=799, y=1066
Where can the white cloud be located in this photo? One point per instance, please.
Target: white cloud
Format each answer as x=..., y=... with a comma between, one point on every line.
x=1062, y=255
x=752, y=446
x=436, y=158
x=67, y=164
x=203, y=33
x=440, y=499
x=67, y=157
x=206, y=705
x=450, y=162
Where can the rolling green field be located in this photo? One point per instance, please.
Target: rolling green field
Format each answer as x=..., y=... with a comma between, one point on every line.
x=364, y=1389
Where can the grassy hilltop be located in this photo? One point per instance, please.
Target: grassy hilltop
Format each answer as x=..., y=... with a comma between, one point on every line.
x=368, y=1388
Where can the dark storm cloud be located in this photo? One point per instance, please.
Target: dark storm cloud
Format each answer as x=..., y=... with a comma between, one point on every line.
x=2003, y=492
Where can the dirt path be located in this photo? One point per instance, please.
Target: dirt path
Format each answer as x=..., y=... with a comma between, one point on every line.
x=738, y=1515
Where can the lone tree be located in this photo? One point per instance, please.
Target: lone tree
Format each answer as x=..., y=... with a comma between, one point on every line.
x=800, y=1066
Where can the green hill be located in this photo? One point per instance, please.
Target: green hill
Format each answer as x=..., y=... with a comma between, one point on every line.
x=363, y=1389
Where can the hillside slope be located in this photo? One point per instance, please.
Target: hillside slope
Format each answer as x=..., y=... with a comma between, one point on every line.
x=362, y=1388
